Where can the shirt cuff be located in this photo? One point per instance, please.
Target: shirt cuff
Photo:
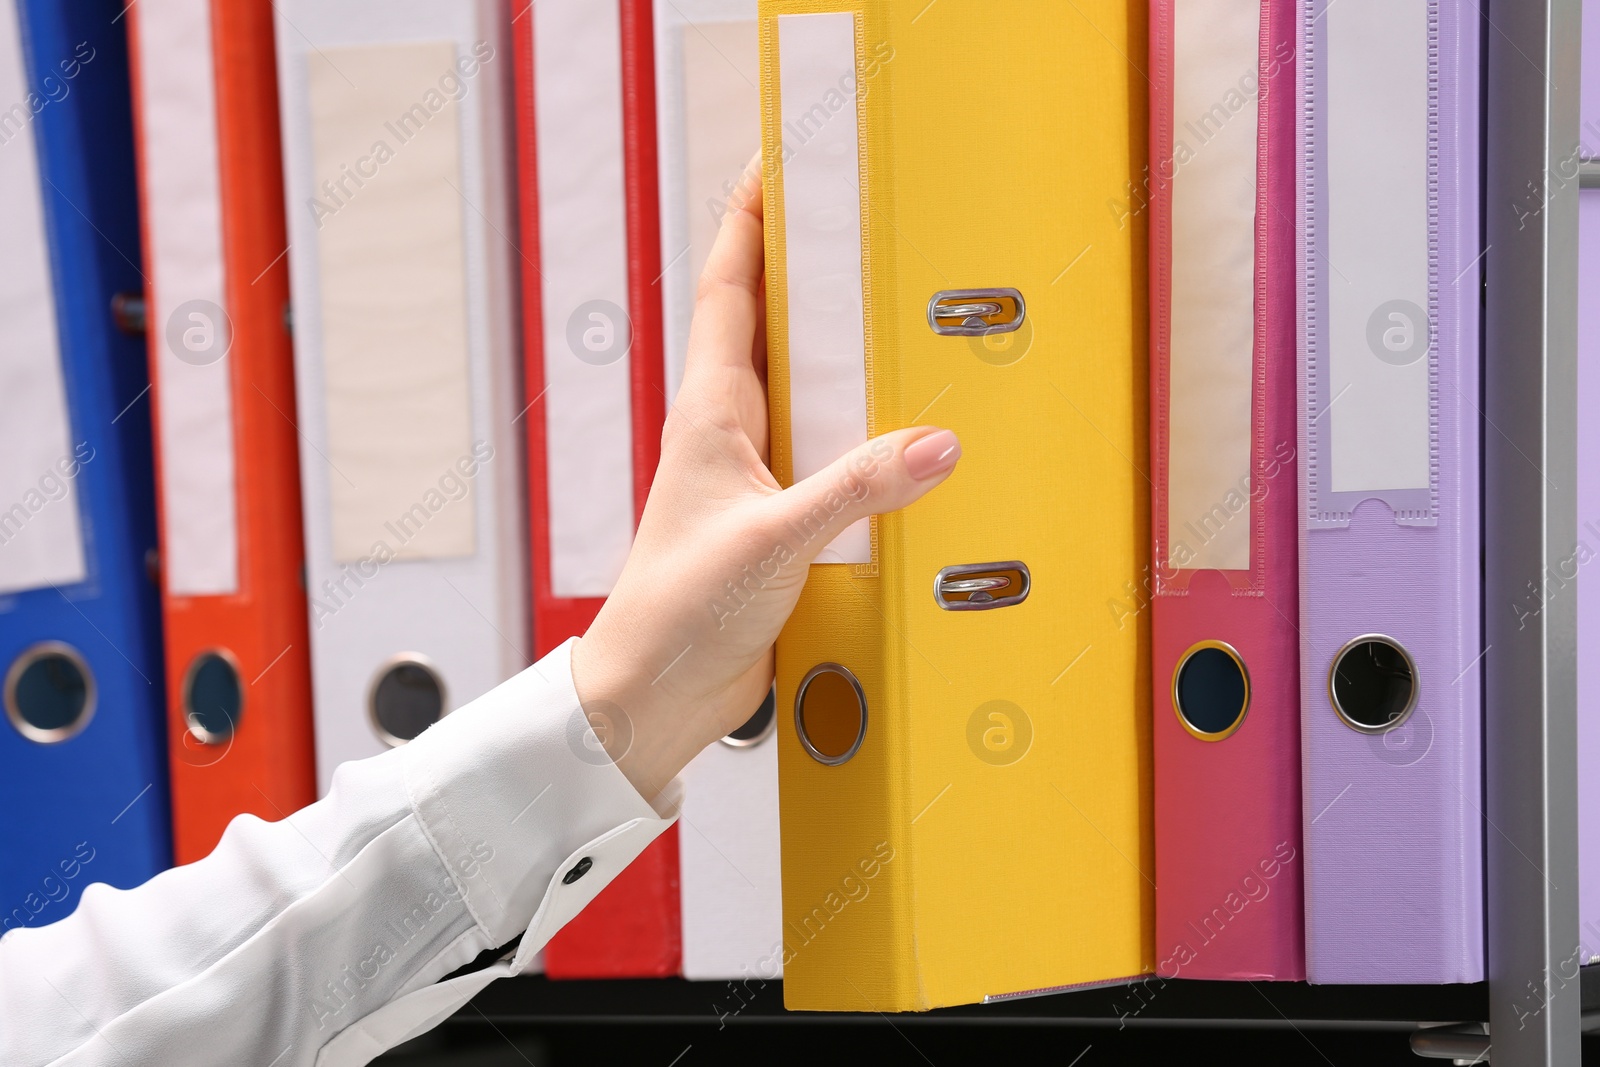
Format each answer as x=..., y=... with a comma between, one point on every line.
x=515, y=793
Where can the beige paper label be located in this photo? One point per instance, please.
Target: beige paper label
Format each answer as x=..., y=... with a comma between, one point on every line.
x=1215, y=109
x=386, y=146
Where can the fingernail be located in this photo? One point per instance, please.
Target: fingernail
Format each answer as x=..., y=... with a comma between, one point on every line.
x=930, y=456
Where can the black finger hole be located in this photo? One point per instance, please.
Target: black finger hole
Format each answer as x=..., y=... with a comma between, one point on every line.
x=407, y=698
x=49, y=692
x=213, y=697
x=1211, y=690
x=1373, y=684
x=756, y=728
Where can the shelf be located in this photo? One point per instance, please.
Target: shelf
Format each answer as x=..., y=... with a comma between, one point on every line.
x=536, y=999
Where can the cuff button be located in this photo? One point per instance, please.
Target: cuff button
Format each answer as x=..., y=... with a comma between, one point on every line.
x=578, y=871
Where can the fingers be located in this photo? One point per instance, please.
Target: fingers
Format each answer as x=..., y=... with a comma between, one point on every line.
x=885, y=474
x=728, y=306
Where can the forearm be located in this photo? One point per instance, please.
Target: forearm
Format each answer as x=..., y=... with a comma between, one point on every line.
x=289, y=933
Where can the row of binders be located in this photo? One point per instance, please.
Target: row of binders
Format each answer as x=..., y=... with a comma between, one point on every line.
x=331, y=387
x=317, y=317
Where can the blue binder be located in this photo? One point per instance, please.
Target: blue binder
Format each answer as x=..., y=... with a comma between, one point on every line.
x=83, y=755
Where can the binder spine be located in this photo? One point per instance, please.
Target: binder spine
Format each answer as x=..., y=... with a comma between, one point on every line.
x=255, y=756
x=847, y=830
x=555, y=619
x=1232, y=864
x=559, y=617
x=845, y=827
x=973, y=745
x=113, y=824
x=402, y=289
x=633, y=928
x=707, y=99
x=1392, y=807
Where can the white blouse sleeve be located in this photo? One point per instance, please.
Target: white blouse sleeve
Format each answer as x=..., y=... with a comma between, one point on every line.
x=322, y=939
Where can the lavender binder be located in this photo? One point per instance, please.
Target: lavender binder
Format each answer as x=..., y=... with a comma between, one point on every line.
x=1588, y=581
x=1391, y=648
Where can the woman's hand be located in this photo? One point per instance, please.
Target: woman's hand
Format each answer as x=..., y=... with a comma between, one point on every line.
x=681, y=653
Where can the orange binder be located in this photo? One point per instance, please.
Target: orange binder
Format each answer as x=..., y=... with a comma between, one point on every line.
x=222, y=376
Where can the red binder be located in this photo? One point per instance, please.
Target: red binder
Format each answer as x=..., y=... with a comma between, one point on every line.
x=1223, y=391
x=222, y=378
x=594, y=380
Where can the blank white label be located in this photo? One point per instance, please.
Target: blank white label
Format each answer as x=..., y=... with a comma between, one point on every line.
x=718, y=127
x=189, y=328
x=583, y=268
x=822, y=239
x=41, y=543
x=1377, y=261
x=1215, y=80
x=386, y=146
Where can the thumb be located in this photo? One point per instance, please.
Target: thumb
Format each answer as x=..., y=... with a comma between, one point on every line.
x=884, y=474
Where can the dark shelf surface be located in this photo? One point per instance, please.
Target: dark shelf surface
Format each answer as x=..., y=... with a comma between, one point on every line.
x=534, y=1021
x=1147, y=1002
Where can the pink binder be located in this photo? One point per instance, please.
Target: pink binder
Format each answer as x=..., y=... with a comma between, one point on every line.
x=1227, y=701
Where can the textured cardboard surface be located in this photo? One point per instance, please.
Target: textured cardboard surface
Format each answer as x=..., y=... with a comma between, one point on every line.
x=1394, y=834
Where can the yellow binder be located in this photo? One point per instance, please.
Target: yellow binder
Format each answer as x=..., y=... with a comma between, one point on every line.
x=964, y=743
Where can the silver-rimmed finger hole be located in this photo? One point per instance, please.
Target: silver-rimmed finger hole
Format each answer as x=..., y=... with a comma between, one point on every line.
x=1211, y=690
x=830, y=714
x=213, y=696
x=758, y=727
x=1373, y=684
x=50, y=692
x=407, y=697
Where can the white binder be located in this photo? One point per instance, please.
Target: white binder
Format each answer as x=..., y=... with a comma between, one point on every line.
x=398, y=180
x=708, y=99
